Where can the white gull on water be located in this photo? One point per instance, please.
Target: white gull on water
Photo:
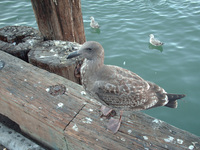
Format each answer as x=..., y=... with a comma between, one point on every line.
x=154, y=41
x=119, y=88
x=93, y=23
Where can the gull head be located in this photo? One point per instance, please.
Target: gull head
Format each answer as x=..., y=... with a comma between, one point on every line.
x=92, y=18
x=90, y=50
x=151, y=35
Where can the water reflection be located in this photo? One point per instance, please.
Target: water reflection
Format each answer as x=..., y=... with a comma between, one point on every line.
x=94, y=30
x=160, y=48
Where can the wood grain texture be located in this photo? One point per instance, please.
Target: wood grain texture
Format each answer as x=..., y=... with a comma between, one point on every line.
x=77, y=124
x=60, y=19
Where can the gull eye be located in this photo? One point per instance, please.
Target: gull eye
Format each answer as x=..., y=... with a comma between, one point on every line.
x=89, y=49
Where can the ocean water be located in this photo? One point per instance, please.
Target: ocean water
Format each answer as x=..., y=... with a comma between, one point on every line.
x=124, y=34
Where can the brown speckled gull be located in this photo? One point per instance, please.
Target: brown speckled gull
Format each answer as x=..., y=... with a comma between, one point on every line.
x=117, y=87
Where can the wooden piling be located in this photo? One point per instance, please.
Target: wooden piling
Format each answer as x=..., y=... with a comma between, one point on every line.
x=18, y=40
x=60, y=19
x=27, y=44
x=51, y=56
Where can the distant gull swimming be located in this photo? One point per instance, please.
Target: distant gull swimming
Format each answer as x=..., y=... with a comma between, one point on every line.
x=154, y=41
x=93, y=23
x=118, y=88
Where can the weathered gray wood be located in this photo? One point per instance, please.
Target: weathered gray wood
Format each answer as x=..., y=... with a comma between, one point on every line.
x=76, y=124
x=18, y=40
x=60, y=19
x=51, y=56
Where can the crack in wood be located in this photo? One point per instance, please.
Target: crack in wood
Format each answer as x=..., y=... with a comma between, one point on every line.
x=74, y=117
x=67, y=144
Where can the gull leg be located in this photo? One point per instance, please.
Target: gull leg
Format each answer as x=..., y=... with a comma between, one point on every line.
x=114, y=124
x=77, y=70
x=107, y=112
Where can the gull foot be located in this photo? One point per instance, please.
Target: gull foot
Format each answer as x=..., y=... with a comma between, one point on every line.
x=107, y=112
x=114, y=124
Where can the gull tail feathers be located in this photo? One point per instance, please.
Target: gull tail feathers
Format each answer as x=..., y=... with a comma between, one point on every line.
x=173, y=100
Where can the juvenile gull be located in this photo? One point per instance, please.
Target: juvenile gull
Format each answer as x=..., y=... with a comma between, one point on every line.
x=154, y=41
x=93, y=23
x=119, y=88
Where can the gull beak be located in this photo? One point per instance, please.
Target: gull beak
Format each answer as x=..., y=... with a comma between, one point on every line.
x=73, y=54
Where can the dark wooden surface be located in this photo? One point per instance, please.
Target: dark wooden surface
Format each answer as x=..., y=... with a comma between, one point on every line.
x=60, y=19
x=25, y=99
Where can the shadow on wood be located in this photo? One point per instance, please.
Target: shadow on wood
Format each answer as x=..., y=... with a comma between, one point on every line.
x=72, y=120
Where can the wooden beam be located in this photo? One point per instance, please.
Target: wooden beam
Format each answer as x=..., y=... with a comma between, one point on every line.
x=60, y=19
x=72, y=120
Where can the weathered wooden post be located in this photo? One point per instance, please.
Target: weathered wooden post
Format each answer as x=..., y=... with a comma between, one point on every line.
x=60, y=19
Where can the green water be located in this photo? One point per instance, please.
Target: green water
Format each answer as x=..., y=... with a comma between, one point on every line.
x=125, y=26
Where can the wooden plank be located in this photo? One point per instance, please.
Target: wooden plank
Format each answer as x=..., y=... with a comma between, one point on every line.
x=77, y=124
x=25, y=101
x=60, y=19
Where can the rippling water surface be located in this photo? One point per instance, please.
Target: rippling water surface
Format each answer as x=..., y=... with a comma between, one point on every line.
x=124, y=34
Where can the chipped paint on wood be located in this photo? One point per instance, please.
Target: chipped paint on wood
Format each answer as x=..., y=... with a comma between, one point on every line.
x=87, y=120
x=157, y=121
x=60, y=105
x=123, y=139
x=191, y=147
x=169, y=139
x=179, y=141
x=75, y=128
x=83, y=93
x=129, y=131
x=145, y=137
x=90, y=110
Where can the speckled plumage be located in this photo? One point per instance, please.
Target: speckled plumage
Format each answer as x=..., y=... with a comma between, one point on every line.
x=116, y=87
